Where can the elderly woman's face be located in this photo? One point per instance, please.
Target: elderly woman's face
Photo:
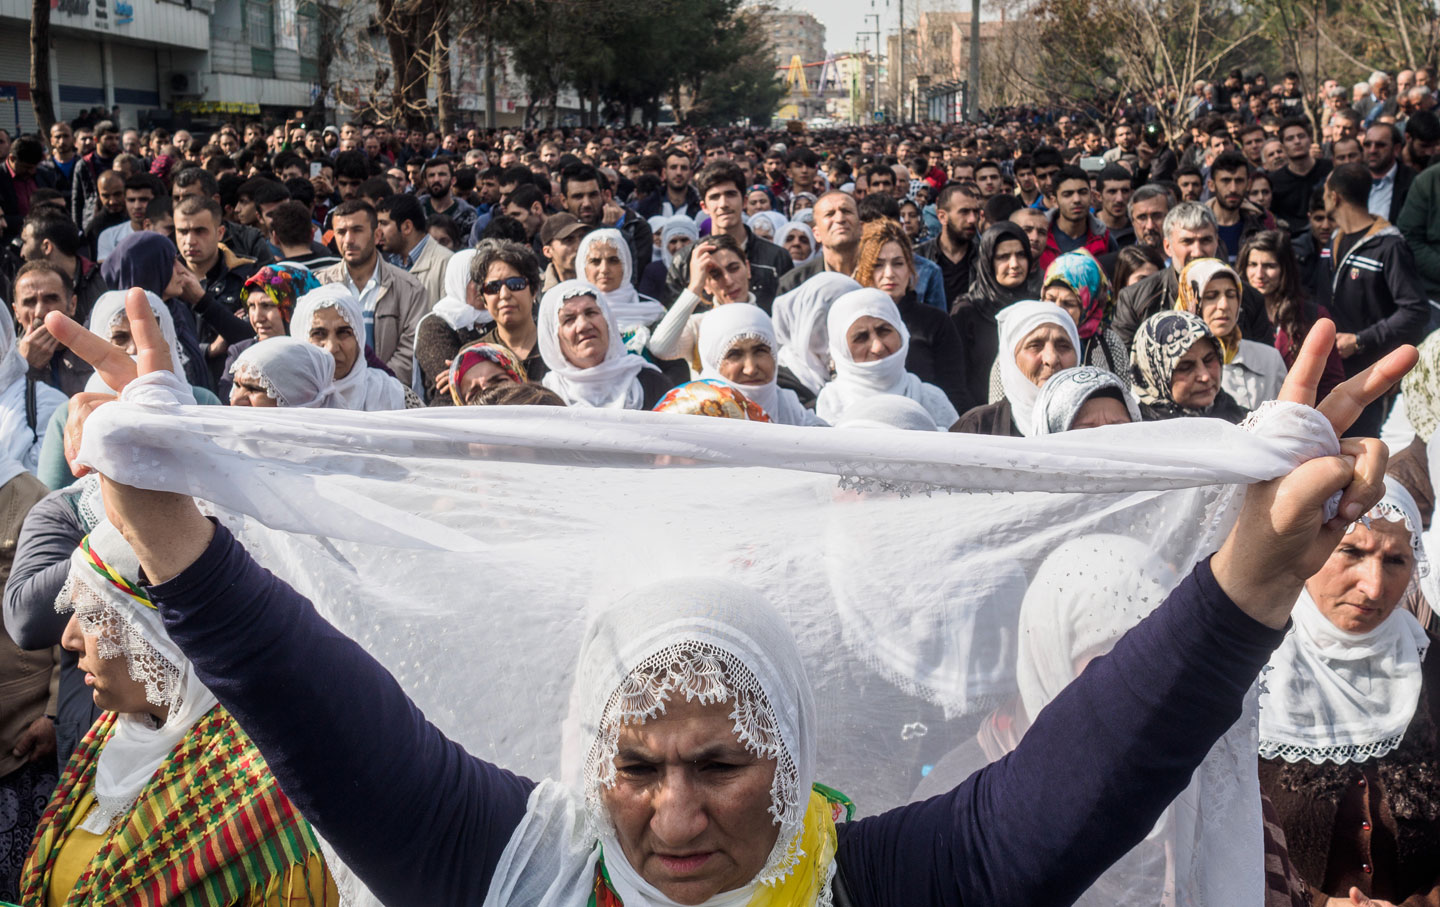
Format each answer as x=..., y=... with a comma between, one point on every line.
x=1066, y=298
x=757, y=201
x=1196, y=380
x=583, y=332
x=603, y=266
x=748, y=362
x=247, y=391
x=691, y=805
x=871, y=339
x=1365, y=577
x=798, y=245
x=264, y=316
x=510, y=308
x=479, y=378
x=678, y=243
x=1043, y=352
x=332, y=333
x=1098, y=411
x=120, y=335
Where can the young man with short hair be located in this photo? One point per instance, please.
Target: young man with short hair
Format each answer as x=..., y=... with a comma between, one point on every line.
x=220, y=277
x=958, y=208
x=679, y=196
x=1291, y=185
x=1072, y=226
x=1235, y=218
x=587, y=195
x=438, y=176
x=1116, y=185
x=139, y=190
x=402, y=235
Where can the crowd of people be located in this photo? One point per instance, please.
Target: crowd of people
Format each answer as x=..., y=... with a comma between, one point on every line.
x=1033, y=274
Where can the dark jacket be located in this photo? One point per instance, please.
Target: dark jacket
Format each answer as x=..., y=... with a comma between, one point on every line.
x=996, y=418
x=1035, y=828
x=89, y=286
x=769, y=263
x=654, y=205
x=1404, y=178
x=958, y=275
x=937, y=355
x=84, y=192
x=1419, y=221
x=147, y=260
x=1375, y=294
x=798, y=274
x=1316, y=268
x=641, y=238
x=1373, y=824
x=248, y=242
x=10, y=201
x=1159, y=291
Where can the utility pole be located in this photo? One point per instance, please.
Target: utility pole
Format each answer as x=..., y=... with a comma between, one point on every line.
x=874, y=93
x=901, y=47
x=972, y=94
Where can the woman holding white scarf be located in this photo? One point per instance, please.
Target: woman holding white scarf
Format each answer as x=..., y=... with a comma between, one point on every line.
x=1037, y=340
x=800, y=317
x=587, y=361
x=603, y=257
x=1350, y=753
x=454, y=321
x=332, y=319
x=868, y=344
x=737, y=346
x=166, y=796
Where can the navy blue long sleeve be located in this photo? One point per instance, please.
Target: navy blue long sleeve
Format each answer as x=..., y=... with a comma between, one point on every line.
x=1090, y=777
x=423, y=822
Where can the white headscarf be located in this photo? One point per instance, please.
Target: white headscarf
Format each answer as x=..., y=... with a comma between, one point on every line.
x=679, y=225
x=659, y=643
x=889, y=411
x=657, y=224
x=18, y=441
x=294, y=373
x=800, y=326
x=777, y=223
x=725, y=326
x=1334, y=696
x=1015, y=322
x=628, y=308
x=792, y=227
x=1061, y=399
x=109, y=309
x=612, y=383
x=130, y=626
x=365, y=388
x=855, y=381
x=453, y=307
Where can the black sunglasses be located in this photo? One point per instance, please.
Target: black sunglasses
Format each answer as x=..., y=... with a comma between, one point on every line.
x=515, y=284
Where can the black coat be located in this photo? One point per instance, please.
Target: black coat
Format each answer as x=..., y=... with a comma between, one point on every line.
x=768, y=264
x=1159, y=291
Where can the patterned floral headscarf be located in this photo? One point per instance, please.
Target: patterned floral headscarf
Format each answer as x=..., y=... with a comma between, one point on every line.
x=1080, y=272
x=1194, y=278
x=283, y=284
x=1159, y=344
x=708, y=397
x=478, y=352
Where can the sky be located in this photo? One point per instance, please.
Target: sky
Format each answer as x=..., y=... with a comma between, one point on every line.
x=844, y=18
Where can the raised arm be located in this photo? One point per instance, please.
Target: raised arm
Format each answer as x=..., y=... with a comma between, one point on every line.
x=1105, y=758
x=415, y=816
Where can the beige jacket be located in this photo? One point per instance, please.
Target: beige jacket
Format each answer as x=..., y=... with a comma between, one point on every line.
x=429, y=269
x=399, y=306
x=29, y=681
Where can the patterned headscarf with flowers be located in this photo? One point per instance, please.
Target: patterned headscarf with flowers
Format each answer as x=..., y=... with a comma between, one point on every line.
x=284, y=284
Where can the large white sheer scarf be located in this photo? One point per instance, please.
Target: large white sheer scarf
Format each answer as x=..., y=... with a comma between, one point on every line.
x=363, y=388
x=631, y=310
x=454, y=307
x=294, y=373
x=370, y=534
x=610, y=385
x=855, y=381
x=800, y=327
x=722, y=329
x=1015, y=322
x=1335, y=696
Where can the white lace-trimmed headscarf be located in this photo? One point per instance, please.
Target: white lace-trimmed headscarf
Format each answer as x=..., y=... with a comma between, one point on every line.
x=364, y=388
x=726, y=326
x=707, y=640
x=1015, y=322
x=453, y=308
x=1333, y=696
x=294, y=373
x=1059, y=402
x=804, y=229
x=800, y=326
x=629, y=308
x=610, y=384
x=854, y=381
x=103, y=588
x=108, y=312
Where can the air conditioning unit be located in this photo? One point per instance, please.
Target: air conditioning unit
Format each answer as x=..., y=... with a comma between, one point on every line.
x=185, y=83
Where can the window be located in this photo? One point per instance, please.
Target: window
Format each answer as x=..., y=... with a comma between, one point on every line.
x=260, y=25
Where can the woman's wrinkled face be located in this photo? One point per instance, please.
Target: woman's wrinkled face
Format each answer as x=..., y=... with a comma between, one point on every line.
x=1066, y=298
x=798, y=245
x=109, y=678
x=1262, y=271
x=1220, y=305
x=479, y=378
x=332, y=333
x=510, y=308
x=690, y=804
x=264, y=316
x=1196, y=380
x=247, y=391
x=892, y=271
x=603, y=266
x=1365, y=577
x=749, y=361
x=1098, y=411
x=871, y=339
x=583, y=332
x=1012, y=263
x=678, y=243
x=1043, y=352
x=756, y=202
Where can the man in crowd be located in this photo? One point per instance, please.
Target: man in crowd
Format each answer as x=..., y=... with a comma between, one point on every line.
x=42, y=287
x=20, y=176
x=1037, y=230
x=1114, y=209
x=1026, y=185
x=588, y=196
x=678, y=197
x=988, y=179
x=438, y=176
x=50, y=235
x=958, y=208
x=1072, y=226
x=85, y=201
x=221, y=274
x=139, y=190
x=1291, y=185
x=292, y=232
x=527, y=205
x=560, y=237
x=722, y=196
x=401, y=233
x=1236, y=219
x=247, y=242
x=392, y=300
x=63, y=157
x=1190, y=232
x=1390, y=179
x=837, y=232
x=1148, y=206
x=802, y=168
x=1346, y=151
